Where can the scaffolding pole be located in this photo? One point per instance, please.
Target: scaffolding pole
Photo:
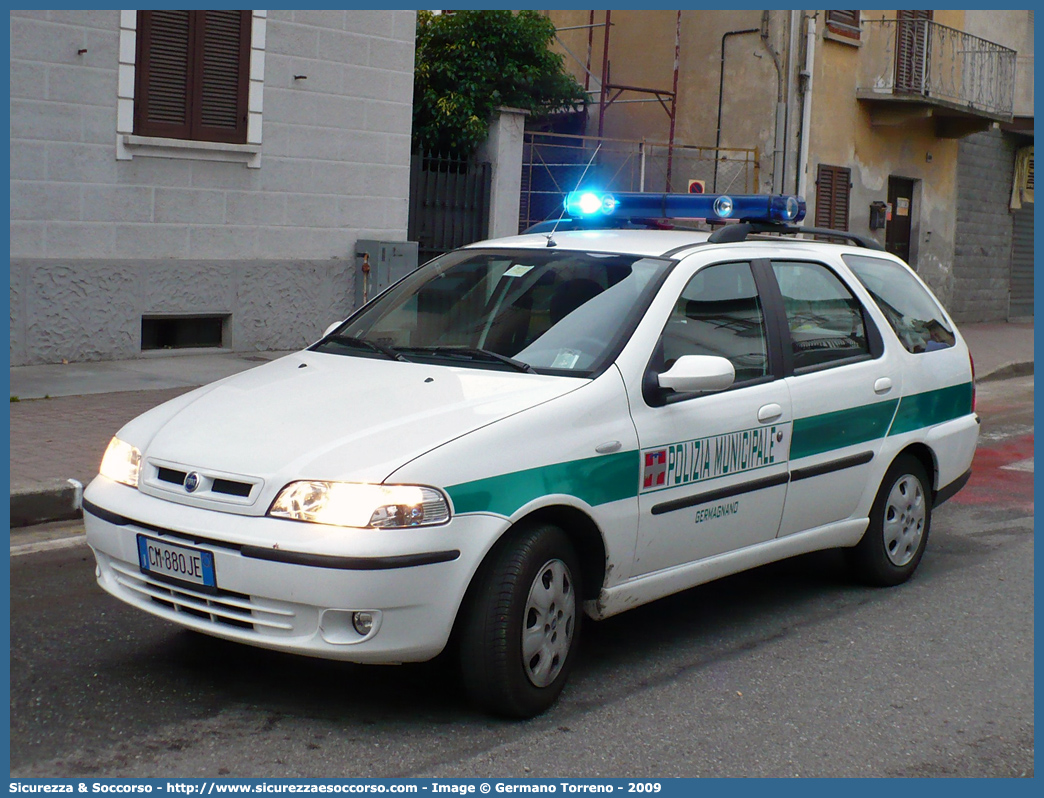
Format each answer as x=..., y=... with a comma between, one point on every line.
x=610, y=92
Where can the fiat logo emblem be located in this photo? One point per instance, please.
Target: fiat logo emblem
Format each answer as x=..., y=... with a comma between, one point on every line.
x=192, y=482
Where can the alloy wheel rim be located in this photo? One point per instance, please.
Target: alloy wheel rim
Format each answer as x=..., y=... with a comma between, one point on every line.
x=548, y=623
x=904, y=517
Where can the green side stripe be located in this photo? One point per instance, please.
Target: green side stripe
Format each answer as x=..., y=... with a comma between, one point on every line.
x=595, y=480
x=932, y=407
x=614, y=477
x=829, y=431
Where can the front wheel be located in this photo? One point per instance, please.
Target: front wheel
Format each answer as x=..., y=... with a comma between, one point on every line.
x=900, y=520
x=519, y=633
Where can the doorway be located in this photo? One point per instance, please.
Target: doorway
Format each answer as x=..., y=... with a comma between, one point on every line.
x=897, y=229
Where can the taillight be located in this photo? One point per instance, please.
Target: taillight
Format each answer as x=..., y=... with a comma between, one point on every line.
x=972, y=361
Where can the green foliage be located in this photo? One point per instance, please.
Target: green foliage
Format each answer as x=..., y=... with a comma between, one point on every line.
x=471, y=62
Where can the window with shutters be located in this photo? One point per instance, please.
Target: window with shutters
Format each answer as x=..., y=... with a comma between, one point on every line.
x=192, y=75
x=843, y=23
x=833, y=190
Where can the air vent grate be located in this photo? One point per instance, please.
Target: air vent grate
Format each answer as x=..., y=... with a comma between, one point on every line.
x=231, y=488
x=170, y=475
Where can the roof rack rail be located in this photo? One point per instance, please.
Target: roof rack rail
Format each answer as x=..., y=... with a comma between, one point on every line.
x=732, y=233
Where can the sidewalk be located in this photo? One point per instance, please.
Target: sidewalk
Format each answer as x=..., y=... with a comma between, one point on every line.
x=62, y=437
x=65, y=415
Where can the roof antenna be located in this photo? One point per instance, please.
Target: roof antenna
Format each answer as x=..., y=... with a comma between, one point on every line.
x=550, y=236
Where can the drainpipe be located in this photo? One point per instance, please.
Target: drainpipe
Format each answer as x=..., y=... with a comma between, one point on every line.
x=779, y=135
x=806, y=106
x=721, y=89
x=794, y=36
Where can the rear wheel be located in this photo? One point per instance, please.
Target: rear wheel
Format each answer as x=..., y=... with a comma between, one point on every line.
x=900, y=521
x=519, y=633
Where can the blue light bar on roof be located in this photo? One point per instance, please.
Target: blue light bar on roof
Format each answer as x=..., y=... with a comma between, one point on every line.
x=589, y=204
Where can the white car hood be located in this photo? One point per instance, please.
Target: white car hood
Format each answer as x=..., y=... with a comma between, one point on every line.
x=321, y=416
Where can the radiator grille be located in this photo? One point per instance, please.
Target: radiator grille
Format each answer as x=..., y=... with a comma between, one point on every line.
x=224, y=608
x=209, y=484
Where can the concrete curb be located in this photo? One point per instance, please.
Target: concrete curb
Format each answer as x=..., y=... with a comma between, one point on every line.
x=1007, y=371
x=56, y=500
x=18, y=550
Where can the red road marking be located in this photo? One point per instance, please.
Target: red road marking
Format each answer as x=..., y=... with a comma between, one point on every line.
x=990, y=483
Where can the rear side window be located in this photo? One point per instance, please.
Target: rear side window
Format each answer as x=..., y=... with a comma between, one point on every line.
x=915, y=316
x=825, y=320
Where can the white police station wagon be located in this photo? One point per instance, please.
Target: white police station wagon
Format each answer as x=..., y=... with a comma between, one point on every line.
x=573, y=421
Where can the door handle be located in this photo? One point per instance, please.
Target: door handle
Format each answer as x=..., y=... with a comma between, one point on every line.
x=883, y=385
x=769, y=413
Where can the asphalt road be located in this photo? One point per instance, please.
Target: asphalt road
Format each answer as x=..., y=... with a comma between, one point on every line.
x=789, y=670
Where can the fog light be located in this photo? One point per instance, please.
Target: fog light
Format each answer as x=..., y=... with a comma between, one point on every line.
x=363, y=622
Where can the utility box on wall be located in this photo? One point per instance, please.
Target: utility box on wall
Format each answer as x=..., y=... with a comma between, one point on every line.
x=378, y=264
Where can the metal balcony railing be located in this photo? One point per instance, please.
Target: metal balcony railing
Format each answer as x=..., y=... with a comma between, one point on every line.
x=910, y=59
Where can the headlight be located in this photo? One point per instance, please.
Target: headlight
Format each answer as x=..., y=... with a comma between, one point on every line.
x=121, y=463
x=361, y=505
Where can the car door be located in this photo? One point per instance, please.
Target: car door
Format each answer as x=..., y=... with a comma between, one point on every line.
x=844, y=388
x=713, y=465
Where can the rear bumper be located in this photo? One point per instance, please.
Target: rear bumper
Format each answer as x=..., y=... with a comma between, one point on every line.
x=947, y=492
x=953, y=444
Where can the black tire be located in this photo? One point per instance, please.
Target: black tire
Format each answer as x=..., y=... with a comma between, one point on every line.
x=900, y=521
x=537, y=562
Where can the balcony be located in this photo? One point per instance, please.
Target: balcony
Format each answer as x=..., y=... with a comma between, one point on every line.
x=914, y=69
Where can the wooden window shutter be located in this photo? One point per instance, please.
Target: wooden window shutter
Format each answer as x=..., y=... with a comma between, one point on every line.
x=223, y=75
x=832, y=196
x=193, y=74
x=911, y=50
x=843, y=23
x=161, y=106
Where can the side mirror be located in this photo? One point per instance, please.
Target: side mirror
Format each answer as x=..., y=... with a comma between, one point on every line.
x=694, y=373
x=331, y=328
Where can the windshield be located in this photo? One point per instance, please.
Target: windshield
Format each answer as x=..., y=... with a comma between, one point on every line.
x=551, y=311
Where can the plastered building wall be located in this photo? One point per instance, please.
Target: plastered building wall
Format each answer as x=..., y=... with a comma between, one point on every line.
x=843, y=134
x=97, y=242
x=641, y=54
x=844, y=131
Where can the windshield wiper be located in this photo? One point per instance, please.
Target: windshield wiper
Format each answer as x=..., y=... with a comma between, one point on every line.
x=365, y=343
x=475, y=354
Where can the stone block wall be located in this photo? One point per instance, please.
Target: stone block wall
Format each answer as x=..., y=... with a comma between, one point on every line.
x=98, y=241
x=983, y=236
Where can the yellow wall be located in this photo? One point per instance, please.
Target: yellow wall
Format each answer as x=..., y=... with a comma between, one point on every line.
x=641, y=54
x=842, y=133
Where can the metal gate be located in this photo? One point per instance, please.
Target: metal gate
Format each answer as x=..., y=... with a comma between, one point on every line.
x=553, y=164
x=1020, y=298
x=449, y=203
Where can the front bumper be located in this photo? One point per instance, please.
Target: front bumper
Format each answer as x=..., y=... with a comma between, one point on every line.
x=293, y=586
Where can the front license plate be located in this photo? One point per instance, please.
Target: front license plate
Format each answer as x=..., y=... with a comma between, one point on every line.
x=181, y=563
